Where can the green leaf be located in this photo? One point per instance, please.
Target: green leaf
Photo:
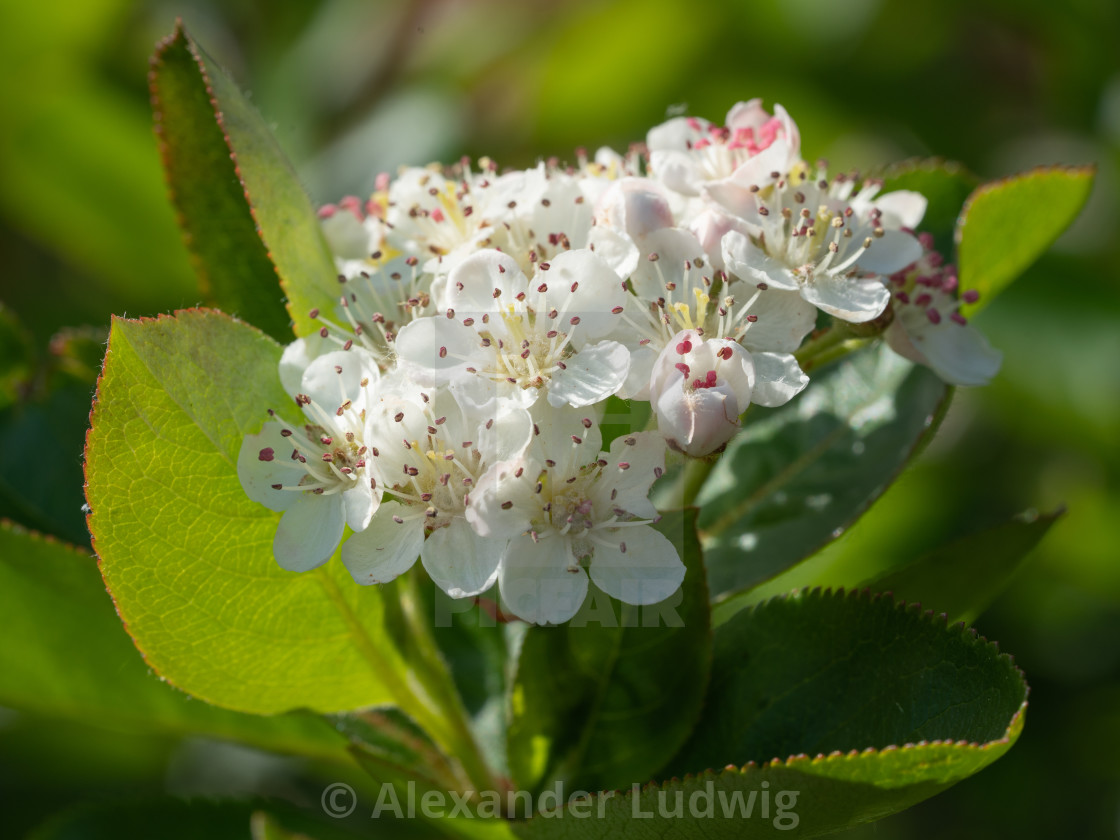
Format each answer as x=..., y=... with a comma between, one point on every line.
x=186, y=554
x=945, y=184
x=593, y=703
x=64, y=653
x=1006, y=225
x=869, y=707
x=797, y=476
x=962, y=578
x=243, y=210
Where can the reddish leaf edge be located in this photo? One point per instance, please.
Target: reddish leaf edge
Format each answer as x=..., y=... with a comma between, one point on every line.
x=115, y=319
x=180, y=35
x=1088, y=169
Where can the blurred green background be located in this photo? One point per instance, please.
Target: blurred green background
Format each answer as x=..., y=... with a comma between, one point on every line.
x=353, y=88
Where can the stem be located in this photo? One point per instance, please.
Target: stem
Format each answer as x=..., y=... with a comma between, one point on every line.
x=693, y=476
x=433, y=674
x=833, y=343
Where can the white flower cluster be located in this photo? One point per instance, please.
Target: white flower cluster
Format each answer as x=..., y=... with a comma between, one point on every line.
x=452, y=399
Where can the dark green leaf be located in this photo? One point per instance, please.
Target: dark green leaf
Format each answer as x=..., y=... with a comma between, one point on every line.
x=826, y=710
x=245, y=214
x=64, y=653
x=962, y=578
x=1008, y=224
x=593, y=703
x=797, y=476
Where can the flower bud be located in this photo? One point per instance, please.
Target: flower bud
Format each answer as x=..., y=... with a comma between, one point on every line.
x=698, y=389
x=634, y=206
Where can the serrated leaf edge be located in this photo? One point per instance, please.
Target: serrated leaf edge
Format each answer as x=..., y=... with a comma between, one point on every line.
x=180, y=32
x=115, y=319
x=969, y=634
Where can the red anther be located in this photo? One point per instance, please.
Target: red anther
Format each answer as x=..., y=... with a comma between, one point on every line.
x=266, y=454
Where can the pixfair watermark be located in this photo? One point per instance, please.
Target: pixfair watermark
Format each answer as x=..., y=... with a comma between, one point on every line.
x=777, y=806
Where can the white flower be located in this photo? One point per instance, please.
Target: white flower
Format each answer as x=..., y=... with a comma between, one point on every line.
x=676, y=289
x=928, y=327
x=571, y=510
x=691, y=155
x=431, y=451
x=318, y=474
x=504, y=336
x=808, y=237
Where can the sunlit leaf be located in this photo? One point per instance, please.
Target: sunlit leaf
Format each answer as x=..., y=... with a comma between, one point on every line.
x=1008, y=224
x=186, y=554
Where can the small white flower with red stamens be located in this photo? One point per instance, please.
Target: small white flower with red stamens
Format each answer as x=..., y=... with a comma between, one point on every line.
x=677, y=289
x=690, y=155
x=431, y=451
x=318, y=474
x=815, y=238
x=699, y=389
x=506, y=336
x=928, y=327
x=570, y=510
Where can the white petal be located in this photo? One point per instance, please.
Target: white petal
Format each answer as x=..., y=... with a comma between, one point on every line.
x=387, y=548
x=265, y=460
x=438, y=349
x=308, y=533
x=746, y=261
x=615, y=249
x=647, y=572
x=297, y=356
x=627, y=487
x=591, y=375
x=541, y=582
x=460, y=562
x=359, y=504
x=582, y=286
x=495, y=506
x=636, y=386
x=506, y=434
x=749, y=114
x=958, y=353
x=891, y=252
x=902, y=208
x=675, y=170
x=784, y=319
x=675, y=133
x=333, y=378
x=854, y=299
x=557, y=430
x=778, y=379
x=472, y=283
